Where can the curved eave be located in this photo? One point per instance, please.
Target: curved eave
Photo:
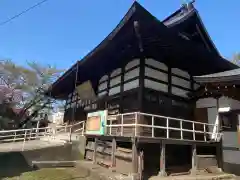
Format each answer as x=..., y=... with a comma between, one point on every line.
x=180, y=17
x=176, y=18
x=98, y=48
x=66, y=84
x=102, y=44
x=222, y=77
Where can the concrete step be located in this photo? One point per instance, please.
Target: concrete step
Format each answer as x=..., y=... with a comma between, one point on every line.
x=50, y=139
x=51, y=164
x=204, y=161
x=197, y=177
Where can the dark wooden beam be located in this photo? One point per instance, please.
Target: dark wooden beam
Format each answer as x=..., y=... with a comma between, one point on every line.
x=142, y=63
x=122, y=88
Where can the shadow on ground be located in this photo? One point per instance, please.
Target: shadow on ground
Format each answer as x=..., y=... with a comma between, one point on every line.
x=14, y=164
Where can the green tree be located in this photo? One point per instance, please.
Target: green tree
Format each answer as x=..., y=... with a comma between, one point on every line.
x=32, y=81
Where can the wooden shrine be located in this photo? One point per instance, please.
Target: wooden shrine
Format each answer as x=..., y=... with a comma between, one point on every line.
x=142, y=76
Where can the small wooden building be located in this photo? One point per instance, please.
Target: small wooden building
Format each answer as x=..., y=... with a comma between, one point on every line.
x=219, y=102
x=141, y=76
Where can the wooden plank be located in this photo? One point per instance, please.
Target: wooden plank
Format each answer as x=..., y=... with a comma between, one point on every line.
x=113, y=158
x=162, y=159
x=124, y=150
x=95, y=151
x=134, y=157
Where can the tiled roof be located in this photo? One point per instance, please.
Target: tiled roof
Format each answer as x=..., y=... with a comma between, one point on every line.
x=231, y=75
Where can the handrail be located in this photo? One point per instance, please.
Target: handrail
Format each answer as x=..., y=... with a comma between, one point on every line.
x=121, y=125
x=25, y=135
x=159, y=116
x=17, y=130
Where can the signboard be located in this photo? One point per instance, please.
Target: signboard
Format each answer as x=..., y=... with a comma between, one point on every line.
x=96, y=122
x=85, y=91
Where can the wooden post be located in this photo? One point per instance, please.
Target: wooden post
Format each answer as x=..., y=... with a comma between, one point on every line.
x=140, y=165
x=95, y=151
x=134, y=159
x=37, y=129
x=137, y=30
x=162, y=160
x=219, y=129
x=219, y=153
x=194, y=159
x=113, y=158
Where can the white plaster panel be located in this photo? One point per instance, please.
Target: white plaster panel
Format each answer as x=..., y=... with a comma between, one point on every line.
x=206, y=102
x=131, y=74
x=131, y=85
x=230, y=139
x=114, y=90
x=179, y=92
x=94, y=106
x=115, y=81
x=234, y=104
x=181, y=82
x=212, y=119
x=104, y=78
x=155, y=85
x=196, y=86
x=156, y=74
x=180, y=72
x=102, y=86
x=102, y=93
x=231, y=156
x=73, y=105
x=132, y=63
x=69, y=100
x=156, y=64
x=116, y=72
x=223, y=102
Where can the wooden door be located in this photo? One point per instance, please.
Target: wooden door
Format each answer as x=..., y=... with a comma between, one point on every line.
x=200, y=115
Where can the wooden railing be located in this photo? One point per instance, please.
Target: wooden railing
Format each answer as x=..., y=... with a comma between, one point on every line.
x=156, y=126
x=25, y=135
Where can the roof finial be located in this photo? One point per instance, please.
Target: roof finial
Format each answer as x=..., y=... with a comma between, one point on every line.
x=188, y=5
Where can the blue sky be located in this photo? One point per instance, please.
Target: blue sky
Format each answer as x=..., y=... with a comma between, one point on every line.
x=59, y=32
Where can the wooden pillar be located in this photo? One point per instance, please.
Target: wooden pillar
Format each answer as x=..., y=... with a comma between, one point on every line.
x=95, y=151
x=194, y=159
x=219, y=153
x=113, y=158
x=219, y=150
x=219, y=117
x=142, y=65
x=74, y=96
x=163, y=159
x=134, y=159
x=122, y=88
x=140, y=165
x=169, y=102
